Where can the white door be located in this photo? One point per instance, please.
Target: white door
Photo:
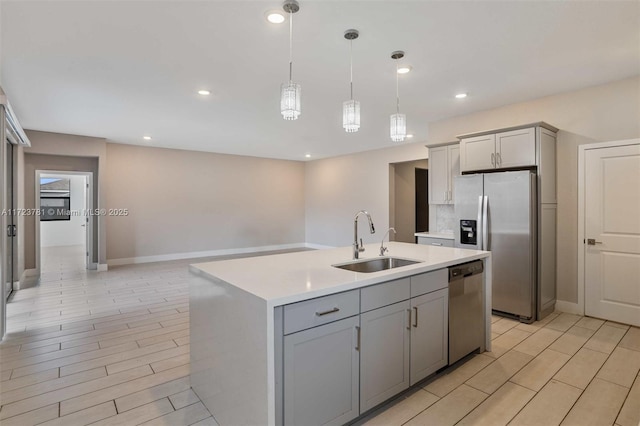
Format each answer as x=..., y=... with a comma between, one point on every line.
x=612, y=223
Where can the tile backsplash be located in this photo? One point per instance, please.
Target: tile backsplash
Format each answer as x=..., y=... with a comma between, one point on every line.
x=445, y=218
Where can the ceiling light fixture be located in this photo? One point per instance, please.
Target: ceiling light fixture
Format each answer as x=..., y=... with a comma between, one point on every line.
x=275, y=17
x=290, y=92
x=308, y=155
x=351, y=108
x=409, y=136
x=204, y=92
x=146, y=138
x=461, y=95
x=404, y=69
x=398, y=122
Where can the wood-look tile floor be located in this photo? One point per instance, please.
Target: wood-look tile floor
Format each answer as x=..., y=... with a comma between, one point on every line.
x=112, y=348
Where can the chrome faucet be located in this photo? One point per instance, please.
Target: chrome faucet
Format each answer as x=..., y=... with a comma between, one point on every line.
x=383, y=249
x=358, y=247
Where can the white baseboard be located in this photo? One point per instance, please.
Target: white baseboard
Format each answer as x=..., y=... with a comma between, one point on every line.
x=29, y=278
x=208, y=253
x=102, y=267
x=568, y=307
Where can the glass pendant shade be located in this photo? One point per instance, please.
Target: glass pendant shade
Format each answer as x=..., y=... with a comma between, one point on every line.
x=351, y=116
x=398, y=127
x=290, y=100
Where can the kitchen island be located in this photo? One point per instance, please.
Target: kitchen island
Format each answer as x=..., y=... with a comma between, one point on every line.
x=258, y=323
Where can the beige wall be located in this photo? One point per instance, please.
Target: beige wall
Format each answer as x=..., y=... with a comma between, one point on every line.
x=73, y=151
x=178, y=201
x=338, y=187
x=185, y=201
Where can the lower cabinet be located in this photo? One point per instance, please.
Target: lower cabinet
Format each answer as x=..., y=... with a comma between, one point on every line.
x=321, y=374
x=334, y=372
x=429, y=334
x=384, y=357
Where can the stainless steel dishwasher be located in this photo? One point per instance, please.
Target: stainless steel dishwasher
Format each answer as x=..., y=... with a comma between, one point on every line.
x=466, y=322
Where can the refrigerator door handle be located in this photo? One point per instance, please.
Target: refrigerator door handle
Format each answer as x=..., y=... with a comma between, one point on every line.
x=479, y=223
x=485, y=223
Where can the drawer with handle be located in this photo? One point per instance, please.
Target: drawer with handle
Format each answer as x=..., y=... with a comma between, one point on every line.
x=440, y=242
x=312, y=313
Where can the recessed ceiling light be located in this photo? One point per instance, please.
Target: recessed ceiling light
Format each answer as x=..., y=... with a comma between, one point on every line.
x=275, y=17
x=409, y=135
x=461, y=95
x=403, y=69
x=146, y=138
x=204, y=92
x=308, y=155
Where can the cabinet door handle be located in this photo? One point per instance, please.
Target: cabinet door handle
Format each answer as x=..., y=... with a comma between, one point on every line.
x=408, y=319
x=450, y=195
x=445, y=195
x=498, y=159
x=493, y=159
x=415, y=320
x=330, y=311
x=436, y=244
x=357, y=338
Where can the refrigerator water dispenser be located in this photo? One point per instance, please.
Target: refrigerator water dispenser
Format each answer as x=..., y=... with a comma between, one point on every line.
x=468, y=234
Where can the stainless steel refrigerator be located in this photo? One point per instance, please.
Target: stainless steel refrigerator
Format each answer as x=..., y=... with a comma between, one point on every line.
x=497, y=212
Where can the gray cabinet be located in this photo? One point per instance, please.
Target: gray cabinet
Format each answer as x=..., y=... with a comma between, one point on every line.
x=321, y=374
x=431, y=241
x=384, y=357
x=429, y=333
x=503, y=150
x=334, y=368
x=444, y=165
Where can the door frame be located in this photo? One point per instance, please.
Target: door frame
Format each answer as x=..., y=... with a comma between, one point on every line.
x=582, y=150
x=90, y=264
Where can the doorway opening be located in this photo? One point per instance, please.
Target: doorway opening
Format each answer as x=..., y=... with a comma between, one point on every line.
x=64, y=229
x=409, y=199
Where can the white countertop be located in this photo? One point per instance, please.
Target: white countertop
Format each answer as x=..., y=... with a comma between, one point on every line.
x=441, y=235
x=292, y=277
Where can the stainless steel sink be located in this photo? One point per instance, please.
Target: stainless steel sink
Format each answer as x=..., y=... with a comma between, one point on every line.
x=375, y=265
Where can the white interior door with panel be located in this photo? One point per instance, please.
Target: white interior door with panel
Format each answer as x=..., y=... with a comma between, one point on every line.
x=612, y=233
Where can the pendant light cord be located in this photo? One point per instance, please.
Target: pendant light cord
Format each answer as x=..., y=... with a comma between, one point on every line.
x=397, y=91
x=290, y=46
x=351, y=65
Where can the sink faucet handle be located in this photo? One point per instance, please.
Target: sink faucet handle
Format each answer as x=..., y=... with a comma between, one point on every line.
x=361, y=246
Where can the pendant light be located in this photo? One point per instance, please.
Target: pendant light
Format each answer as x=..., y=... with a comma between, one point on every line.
x=290, y=91
x=351, y=108
x=398, y=122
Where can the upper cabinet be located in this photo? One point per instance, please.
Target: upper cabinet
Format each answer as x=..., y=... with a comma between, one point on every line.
x=444, y=165
x=503, y=150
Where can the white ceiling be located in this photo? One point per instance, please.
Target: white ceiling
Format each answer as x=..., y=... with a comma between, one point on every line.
x=123, y=69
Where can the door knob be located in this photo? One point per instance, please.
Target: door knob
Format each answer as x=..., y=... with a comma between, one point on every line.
x=592, y=242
